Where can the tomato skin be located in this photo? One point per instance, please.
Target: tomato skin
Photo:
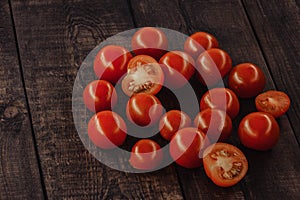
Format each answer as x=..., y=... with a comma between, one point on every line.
x=231, y=168
x=144, y=75
x=246, y=80
x=149, y=41
x=214, y=98
x=212, y=65
x=99, y=95
x=217, y=130
x=259, y=131
x=107, y=130
x=186, y=147
x=110, y=63
x=199, y=42
x=146, y=155
x=144, y=109
x=178, y=68
x=172, y=121
x=273, y=102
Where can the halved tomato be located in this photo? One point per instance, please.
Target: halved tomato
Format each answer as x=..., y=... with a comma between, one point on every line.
x=144, y=74
x=224, y=164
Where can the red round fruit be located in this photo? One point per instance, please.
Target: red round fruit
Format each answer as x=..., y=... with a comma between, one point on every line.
x=99, y=95
x=146, y=155
x=223, y=99
x=259, y=131
x=224, y=164
x=215, y=123
x=171, y=122
x=178, y=68
x=187, y=146
x=199, y=42
x=143, y=76
x=144, y=109
x=107, y=130
x=149, y=41
x=212, y=65
x=246, y=80
x=111, y=63
x=274, y=102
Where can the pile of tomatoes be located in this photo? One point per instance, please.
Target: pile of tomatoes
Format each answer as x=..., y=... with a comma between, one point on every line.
x=143, y=73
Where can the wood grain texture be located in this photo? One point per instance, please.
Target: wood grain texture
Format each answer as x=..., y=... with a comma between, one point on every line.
x=54, y=38
x=19, y=172
x=277, y=26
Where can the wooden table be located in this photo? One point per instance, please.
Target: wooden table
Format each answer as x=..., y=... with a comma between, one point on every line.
x=42, y=45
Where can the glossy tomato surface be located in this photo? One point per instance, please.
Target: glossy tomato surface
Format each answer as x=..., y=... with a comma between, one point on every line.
x=199, y=42
x=172, y=121
x=144, y=75
x=107, y=130
x=215, y=123
x=224, y=164
x=246, y=80
x=99, y=95
x=212, y=65
x=178, y=68
x=259, y=131
x=149, y=41
x=186, y=147
x=223, y=99
x=146, y=154
x=144, y=109
x=273, y=102
x=111, y=63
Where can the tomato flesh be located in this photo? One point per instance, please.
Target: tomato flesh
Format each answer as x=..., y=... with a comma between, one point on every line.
x=225, y=164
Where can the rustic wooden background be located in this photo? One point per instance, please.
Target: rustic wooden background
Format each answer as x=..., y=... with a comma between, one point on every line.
x=42, y=45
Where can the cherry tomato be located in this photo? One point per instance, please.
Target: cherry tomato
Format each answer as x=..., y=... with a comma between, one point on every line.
x=199, y=42
x=212, y=65
x=171, y=122
x=274, y=102
x=99, y=95
x=223, y=99
x=146, y=155
x=143, y=75
x=259, y=131
x=215, y=123
x=178, y=68
x=224, y=164
x=149, y=41
x=111, y=63
x=107, y=130
x=186, y=147
x=246, y=80
x=144, y=109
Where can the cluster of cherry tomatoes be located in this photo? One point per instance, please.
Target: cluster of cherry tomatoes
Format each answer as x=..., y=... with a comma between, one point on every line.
x=150, y=67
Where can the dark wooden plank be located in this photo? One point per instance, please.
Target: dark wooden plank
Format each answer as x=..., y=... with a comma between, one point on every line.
x=54, y=38
x=19, y=172
x=277, y=26
x=272, y=174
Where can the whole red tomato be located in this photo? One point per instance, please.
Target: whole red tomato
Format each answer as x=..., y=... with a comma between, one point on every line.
x=171, y=122
x=107, y=130
x=144, y=109
x=99, y=95
x=223, y=99
x=146, y=155
x=178, y=68
x=187, y=146
x=149, y=41
x=259, y=131
x=111, y=63
x=199, y=42
x=246, y=80
x=212, y=65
